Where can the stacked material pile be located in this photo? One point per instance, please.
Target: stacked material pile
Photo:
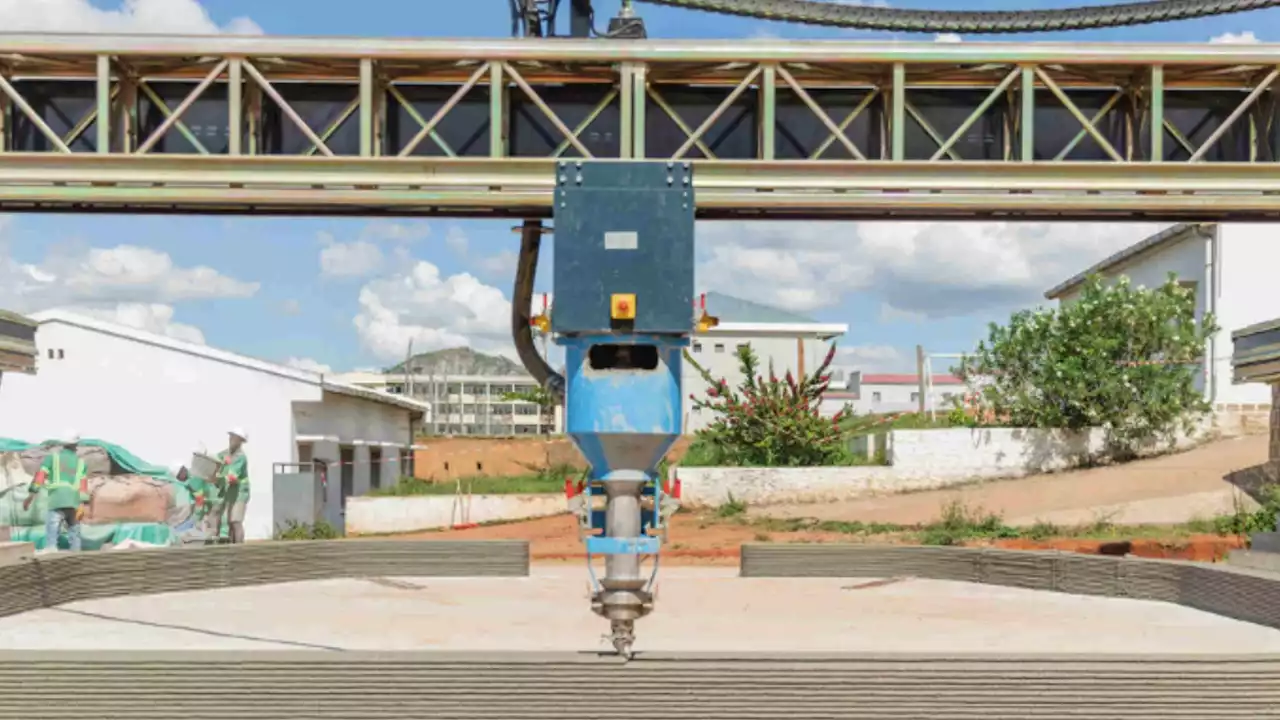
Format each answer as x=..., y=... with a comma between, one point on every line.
x=130, y=500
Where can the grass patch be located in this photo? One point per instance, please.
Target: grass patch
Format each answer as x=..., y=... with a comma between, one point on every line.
x=320, y=530
x=546, y=480
x=877, y=423
x=959, y=524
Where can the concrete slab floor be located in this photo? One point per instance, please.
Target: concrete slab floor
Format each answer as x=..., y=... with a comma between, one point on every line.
x=698, y=609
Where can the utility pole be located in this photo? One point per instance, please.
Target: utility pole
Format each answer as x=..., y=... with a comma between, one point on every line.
x=920, y=376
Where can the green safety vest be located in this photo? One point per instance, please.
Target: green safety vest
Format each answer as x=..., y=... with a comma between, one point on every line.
x=66, y=494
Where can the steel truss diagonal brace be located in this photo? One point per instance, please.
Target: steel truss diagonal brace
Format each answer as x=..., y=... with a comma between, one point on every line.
x=428, y=127
x=554, y=119
x=837, y=131
x=1235, y=115
x=175, y=115
x=33, y=116
x=718, y=112
x=1072, y=108
x=990, y=100
x=287, y=109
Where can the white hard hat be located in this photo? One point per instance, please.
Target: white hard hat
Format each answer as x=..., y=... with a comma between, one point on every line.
x=240, y=433
x=71, y=436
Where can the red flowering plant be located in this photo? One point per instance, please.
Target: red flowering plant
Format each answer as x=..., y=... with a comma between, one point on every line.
x=768, y=421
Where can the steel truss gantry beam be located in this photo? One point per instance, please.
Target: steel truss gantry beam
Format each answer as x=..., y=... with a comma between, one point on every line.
x=778, y=129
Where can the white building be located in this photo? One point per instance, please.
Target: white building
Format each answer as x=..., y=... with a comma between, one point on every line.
x=1231, y=268
x=876, y=394
x=162, y=399
x=467, y=404
x=791, y=342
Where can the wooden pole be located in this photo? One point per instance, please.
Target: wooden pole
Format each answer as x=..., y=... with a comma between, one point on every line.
x=800, y=357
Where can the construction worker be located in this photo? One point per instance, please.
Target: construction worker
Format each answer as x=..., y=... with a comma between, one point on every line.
x=63, y=473
x=198, y=488
x=232, y=480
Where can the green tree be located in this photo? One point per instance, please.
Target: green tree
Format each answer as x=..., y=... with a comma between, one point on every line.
x=1118, y=357
x=539, y=396
x=769, y=422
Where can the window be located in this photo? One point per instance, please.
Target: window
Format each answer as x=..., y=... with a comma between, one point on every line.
x=719, y=347
x=60, y=354
x=697, y=347
x=875, y=397
x=50, y=353
x=743, y=346
x=915, y=397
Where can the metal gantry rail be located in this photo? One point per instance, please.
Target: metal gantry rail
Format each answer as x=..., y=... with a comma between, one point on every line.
x=779, y=129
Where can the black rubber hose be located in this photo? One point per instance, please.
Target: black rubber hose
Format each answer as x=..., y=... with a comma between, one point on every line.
x=870, y=17
x=521, y=309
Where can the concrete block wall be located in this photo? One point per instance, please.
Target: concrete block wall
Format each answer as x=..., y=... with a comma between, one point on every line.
x=918, y=460
x=376, y=515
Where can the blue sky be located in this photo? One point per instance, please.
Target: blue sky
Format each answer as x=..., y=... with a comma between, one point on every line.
x=260, y=286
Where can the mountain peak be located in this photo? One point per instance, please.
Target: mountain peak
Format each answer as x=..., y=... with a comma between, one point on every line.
x=459, y=361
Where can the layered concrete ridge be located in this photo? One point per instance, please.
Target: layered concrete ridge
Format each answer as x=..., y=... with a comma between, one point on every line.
x=563, y=686
x=698, y=610
x=50, y=580
x=1245, y=594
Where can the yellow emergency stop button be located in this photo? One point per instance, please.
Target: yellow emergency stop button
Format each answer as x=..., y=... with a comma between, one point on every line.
x=623, y=306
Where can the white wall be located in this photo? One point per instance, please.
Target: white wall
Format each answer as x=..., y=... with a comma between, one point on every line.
x=159, y=403
x=1248, y=256
x=920, y=460
x=359, y=424
x=718, y=354
x=375, y=515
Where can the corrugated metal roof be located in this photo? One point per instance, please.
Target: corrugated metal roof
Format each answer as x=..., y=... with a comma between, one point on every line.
x=1168, y=235
x=730, y=309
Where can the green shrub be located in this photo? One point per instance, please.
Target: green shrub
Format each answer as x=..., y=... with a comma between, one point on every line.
x=1120, y=358
x=767, y=422
x=319, y=530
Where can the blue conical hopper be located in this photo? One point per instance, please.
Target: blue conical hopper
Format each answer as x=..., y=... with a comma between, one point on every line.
x=623, y=420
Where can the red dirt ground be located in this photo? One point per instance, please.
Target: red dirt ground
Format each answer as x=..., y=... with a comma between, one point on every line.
x=695, y=541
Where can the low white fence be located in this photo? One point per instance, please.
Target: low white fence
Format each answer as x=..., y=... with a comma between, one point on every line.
x=918, y=460
x=378, y=515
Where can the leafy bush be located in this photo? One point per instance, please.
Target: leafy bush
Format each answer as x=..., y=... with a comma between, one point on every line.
x=767, y=422
x=1245, y=522
x=1120, y=358
x=319, y=530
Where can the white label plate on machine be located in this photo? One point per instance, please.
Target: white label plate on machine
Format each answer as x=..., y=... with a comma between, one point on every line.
x=621, y=240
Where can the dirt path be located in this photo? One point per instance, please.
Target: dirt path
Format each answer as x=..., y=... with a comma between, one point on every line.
x=1169, y=489
x=1164, y=490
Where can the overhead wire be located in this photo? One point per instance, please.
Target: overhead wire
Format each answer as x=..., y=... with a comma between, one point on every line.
x=871, y=17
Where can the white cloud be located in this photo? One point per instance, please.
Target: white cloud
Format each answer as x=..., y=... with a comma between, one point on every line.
x=874, y=358
x=926, y=269
x=890, y=314
x=947, y=38
x=1243, y=38
x=309, y=365
x=360, y=258
x=168, y=17
x=456, y=239
x=152, y=317
x=104, y=276
x=126, y=284
x=434, y=311
x=501, y=265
